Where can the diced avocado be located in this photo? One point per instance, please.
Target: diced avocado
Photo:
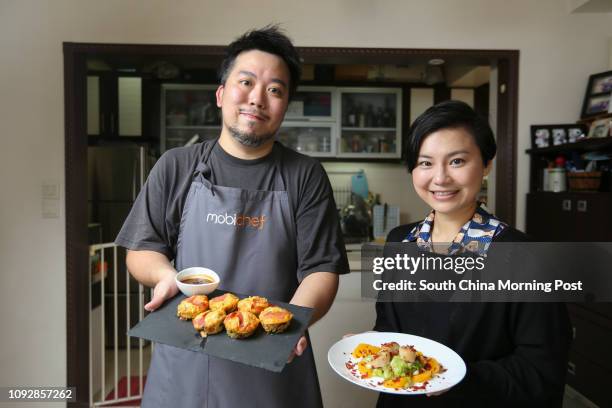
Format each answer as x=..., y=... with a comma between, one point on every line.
x=388, y=373
x=378, y=372
x=399, y=366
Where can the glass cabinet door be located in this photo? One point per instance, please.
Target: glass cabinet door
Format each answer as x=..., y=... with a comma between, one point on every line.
x=312, y=103
x=188, y=111
x=177, y=137
x=370, y=122
x=308, y=138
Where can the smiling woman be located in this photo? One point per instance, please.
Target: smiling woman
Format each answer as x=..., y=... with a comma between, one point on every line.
x=516, y=353
x=449, y=174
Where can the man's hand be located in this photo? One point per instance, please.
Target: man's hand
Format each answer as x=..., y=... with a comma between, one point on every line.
x=164, y=290
x=298, y=349
x=153, y=269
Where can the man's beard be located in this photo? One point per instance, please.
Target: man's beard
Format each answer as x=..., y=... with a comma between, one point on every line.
x=250, y=139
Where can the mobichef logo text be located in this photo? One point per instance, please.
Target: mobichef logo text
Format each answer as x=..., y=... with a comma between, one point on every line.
x=237, y=220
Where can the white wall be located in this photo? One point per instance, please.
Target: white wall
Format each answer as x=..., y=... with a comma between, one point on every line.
x=558, y=52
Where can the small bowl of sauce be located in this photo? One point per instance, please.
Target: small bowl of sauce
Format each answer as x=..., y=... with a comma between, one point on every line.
x=197, y=281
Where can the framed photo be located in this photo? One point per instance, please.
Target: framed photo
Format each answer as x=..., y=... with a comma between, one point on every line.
x=575, y=133
x=598, y=97
x=555, y=135
x=601, y=128
x=559, y=136
x=542, y=138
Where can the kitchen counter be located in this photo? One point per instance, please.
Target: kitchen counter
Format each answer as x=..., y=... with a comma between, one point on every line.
x=353, y=252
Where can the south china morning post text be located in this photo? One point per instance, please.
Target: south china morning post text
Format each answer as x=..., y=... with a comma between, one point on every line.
x=525, y=272
x=458, y=265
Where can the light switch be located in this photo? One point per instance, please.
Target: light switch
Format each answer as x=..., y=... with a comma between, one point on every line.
x=50, y=208
x=50, y=191
x=50, y=199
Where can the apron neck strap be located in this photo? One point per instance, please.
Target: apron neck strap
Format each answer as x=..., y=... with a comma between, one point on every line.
x=203, y=171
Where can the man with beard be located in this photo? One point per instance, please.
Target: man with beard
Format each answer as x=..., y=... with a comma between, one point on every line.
x=260, y=215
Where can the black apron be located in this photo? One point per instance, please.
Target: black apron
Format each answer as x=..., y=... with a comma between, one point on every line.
x=248, y=237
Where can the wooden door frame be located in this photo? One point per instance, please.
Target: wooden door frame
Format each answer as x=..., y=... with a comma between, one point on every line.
x=77, y=252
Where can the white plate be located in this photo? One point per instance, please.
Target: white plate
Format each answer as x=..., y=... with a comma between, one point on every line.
x=340, y=353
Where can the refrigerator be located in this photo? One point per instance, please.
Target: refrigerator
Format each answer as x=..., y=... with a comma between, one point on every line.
x=115, y=177
x=116, y=174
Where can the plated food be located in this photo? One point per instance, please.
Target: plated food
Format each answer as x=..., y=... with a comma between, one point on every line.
x=192, y=306
x=396, y=363
x=227, y=302
x=253, y=304
x=398, y=366
x=240, y=324
x=275, y=319
x=212, y=316
x=209, y=322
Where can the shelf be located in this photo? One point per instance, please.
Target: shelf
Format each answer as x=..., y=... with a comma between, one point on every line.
x=379, y=159
x=569, y=194
x=583, y=145
x=370, y=129
x=322, y=119
x=372, y=155
x=587, y=121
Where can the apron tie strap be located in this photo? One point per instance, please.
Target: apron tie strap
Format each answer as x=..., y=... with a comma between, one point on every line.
x=203, y=173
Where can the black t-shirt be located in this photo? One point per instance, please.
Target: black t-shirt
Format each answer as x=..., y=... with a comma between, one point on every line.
x=153, y=222
x=516, y=353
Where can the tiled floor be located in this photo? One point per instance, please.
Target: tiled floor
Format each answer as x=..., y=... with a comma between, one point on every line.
x=122, y=368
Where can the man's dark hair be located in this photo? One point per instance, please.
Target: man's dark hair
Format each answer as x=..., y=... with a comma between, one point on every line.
x=450, y=115
x=269, y=39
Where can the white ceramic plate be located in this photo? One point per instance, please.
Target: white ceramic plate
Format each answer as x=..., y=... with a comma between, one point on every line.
x=340, y=354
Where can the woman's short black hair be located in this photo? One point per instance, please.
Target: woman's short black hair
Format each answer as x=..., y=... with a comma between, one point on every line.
x=449, y=115
x=269, y=39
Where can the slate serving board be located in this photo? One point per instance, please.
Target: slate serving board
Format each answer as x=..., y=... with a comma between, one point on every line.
x=267, y=351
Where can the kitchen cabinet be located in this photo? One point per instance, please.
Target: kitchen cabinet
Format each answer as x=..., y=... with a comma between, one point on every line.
x=313, y=104
x=577, y=216
x=569, y=216
x=114, y=105
x=590, y=356
x=371, y=123
x=321, y=121
x=188, y=111
x=310, y=123
x=313, y=139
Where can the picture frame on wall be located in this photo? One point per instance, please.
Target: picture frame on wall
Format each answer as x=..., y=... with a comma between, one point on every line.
x=601, y=128
x=598, y=97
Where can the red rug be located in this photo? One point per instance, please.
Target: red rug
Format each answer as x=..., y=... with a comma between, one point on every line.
x=122, y=391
